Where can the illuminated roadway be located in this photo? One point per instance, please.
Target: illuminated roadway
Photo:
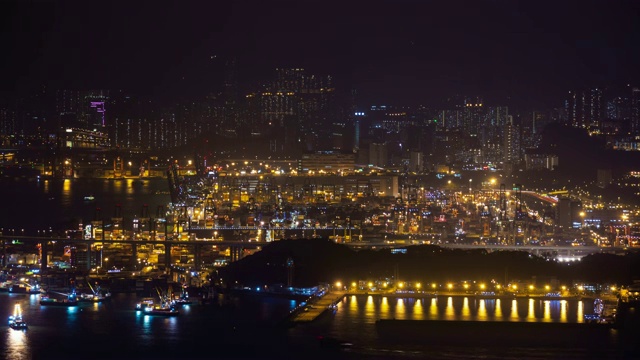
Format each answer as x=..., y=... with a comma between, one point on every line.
x=355, y=244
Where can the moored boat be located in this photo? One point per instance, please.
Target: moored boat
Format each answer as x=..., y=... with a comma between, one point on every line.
x=70, y=300
x=94, y=298
x=161, y=311
x=148, y=307
x=164, y=308
x=604, y=313
x=182, y=300
x=96, y=295
x=24, y=289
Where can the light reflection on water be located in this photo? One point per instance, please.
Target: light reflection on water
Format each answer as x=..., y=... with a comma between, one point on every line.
x=531, y=313
x=498, y=308
x=466, y=311
x=417, y=309
x=482, y=310
x=17, y=345
x=450, y=311
x=401, y=312
x=353, y=323
x=462, y=308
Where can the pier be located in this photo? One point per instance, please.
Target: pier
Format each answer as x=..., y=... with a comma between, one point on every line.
x=313, y=310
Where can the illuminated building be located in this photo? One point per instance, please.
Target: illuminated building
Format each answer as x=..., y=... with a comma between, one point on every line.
x=7, y=125
x=84, y=139
x=473, y=109
x=68, y=107
x=535, y=161
x=584, y=108
x=329, y=162
x=510, y=139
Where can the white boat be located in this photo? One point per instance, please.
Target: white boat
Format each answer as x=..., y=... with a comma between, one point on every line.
x=15, y=321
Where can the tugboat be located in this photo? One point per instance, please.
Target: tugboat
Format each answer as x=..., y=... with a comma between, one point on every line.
x=15, y=321
x=71, y=300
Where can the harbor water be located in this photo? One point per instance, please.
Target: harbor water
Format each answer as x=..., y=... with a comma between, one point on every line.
x=249, y=327
x=39, y=204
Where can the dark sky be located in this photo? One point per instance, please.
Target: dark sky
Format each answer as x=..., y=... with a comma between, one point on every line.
x=403, y=52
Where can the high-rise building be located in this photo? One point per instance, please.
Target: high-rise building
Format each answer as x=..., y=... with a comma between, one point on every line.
x=635, y=111
x=68, y=108
x=94, y=110
x=82, y=109
x=7, y=122
x=510, y=142
x=473, y=110
x=378, y=155
x=306, y=101
x=229, y=96
x=584, y=108
x=618, y=109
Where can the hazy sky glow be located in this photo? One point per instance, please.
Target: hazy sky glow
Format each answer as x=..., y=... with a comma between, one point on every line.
x=398, y=51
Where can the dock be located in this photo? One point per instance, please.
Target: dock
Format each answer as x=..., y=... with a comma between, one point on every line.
x=316, y=308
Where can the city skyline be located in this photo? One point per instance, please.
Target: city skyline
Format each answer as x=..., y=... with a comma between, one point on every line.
x=407, y=53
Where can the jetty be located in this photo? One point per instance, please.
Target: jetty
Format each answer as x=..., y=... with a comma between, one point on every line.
x=313, y=309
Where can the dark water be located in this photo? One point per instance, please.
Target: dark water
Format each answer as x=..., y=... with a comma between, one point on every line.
x=246, y=328
x=242, y=328
x=37, y=204
x=354, y=321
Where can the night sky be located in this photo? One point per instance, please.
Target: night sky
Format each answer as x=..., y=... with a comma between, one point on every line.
x=397, y=52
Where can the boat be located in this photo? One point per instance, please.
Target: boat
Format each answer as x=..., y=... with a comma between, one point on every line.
x=70, y=300
x=89, y=198
x=148, y=306
x=604, y=313
x=94, y=298
x=96, y=295
x=486, y=295
x=24, y=289
x=161, y=311
x=15, y=321
x=182, y=300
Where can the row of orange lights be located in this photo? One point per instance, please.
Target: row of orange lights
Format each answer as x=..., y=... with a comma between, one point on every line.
x=465, y=285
